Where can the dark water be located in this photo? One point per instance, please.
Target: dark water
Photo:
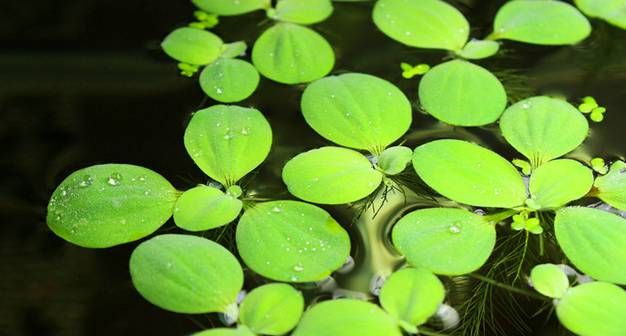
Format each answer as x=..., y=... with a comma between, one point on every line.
x=84, y=82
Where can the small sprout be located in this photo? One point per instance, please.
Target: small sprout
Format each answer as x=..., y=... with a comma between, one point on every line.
x=522, y=222
x=599, y=165
x=588, y=104
x=409, y=71
x=187, y=70
x=597, y=114
x=207, y=20
x=523, y=165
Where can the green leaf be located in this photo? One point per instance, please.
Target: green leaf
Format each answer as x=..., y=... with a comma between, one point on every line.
x=234, y=49
x=357, y=110
x=431, y=24
x=227, y=142
x=394, y=160
x=291, y=241
x=229, y=80
x=612, y=11
x=593, y=240
x=595, y=308
x=444, y=241
x=463, y=94
x=544, y=22
x=549, y=280
x=272, y=309
x=543, y=128
x=204, y=208
x=186, y=274
x=346, y=317
x=412, y=295
x=110, y=204
x=479, y=49
x=331, y=175
x=559, y=182
x=302, y=11
x=192, y=45
x=240, y=331
x=292, y=54
x=470, y=174
x=611, y=187
x=231, y=7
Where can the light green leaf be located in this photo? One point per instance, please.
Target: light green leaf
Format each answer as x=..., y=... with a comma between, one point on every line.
x=204, y=208
x=291, y=241
x=234, y=49
x=302, y=11
x=544, y=22
x=412, y=295
x=559, y=182
x=611, y=187
x=272, y=309
x=357, y=110
x=549, y=280
x=192, y=45
x=331, y=175
x=463, y=94
x=394, y=160
x=186, y=274
x=444, y=241
x=110, y=204
x=543, y=128
x=229, y=80
x=470, y=174
x=612, y=11
x=431, y=24
x=592, y=309
x=227, y=142
x=231, y=7
x=346, y=317
x=479, y=49
x=240, y=331
x=593, y=240
x=292, y=54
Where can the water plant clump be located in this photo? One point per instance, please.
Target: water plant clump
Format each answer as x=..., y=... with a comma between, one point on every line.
x=447, y=208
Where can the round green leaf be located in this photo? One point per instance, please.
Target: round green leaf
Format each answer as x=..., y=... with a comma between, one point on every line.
x=444, y=241
x=470, y=174
x=346, y=317
x=291, y=241
x=611, y=187
x=231, y=7
x=292, y=54
x=204, y=208
x=240, y=331
x=192, y=45
x=272, y=309
x=592, y=309
x=463, y=94
x=593, y=240
x=431, y=24
x=186, y=274
x=302, y=11
x=559, y=182
x=393, y=160
x=544, y=22
x=357, y=110
x=331, y=175
x=110, y=204
x=543, y=128
x=549, y=280
x=412, y=295
x=229, y=80
x=227, y=142
x=479, y=49
x=612, y=11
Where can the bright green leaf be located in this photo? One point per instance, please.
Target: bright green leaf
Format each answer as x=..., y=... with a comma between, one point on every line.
x=611, y=187
x=393, y=160
x=432, y=24
x=559, y=182
x=231, y=7
x=444, y=241
x=470, y=174
x=204, y=208
x=593, y=240
x=186, y=274
x=357, y=110
x=302, y=11
x=479, y=49
x=291, y=241
x=227, y=142
x=272, y=309
x=463, y=94
x=331, y=175
x=549, y=280
x=292, y=54
x=240, y=331
x=111, y=204
x=192, y=45
x=612, y=11
x=229, y=80
x=234, y=49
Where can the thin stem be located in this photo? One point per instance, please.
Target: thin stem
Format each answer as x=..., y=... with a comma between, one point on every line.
x=508, y=287
x=521, y=262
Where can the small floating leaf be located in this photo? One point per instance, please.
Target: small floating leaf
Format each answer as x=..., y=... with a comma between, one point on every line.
x=231, y=7
x=186, y=274
x=110, y=204
x=229, y=80
x=204, y=208
x=393, y=160
x=192, y=45
x=272, y=309
x=291, y=241
x=479, y=49
x=559, y=182
x=611, y=188
x=444, y=241
x=235, y=49
x=470, y=174
x=612, y=11
x=331, y=175
x=240, y=331
x=431, y=24
x=549, y=280
x=227, y=142
x=593, y=240
x=292, y=54
x=463, y=94
x=357, y=110
x=302, y=11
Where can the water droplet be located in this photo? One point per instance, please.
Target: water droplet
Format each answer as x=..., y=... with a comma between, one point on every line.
x=454, y=228
x=298, y=267
x=407, y=33
x=245, y=131
x=276, y=209
x=63, y=193
x=114, y=179
x=228, y=136
x=142, y=178
x=219, y=90
x=86, y=181
x=169, y=265
x=294, y=278
x=525, y=105
x=146, y=193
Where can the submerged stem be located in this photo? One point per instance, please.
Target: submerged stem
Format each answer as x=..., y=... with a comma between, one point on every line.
x=508, y=287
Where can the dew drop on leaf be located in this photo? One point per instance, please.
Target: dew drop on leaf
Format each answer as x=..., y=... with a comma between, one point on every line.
x=86, y=181
x=115, y=179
